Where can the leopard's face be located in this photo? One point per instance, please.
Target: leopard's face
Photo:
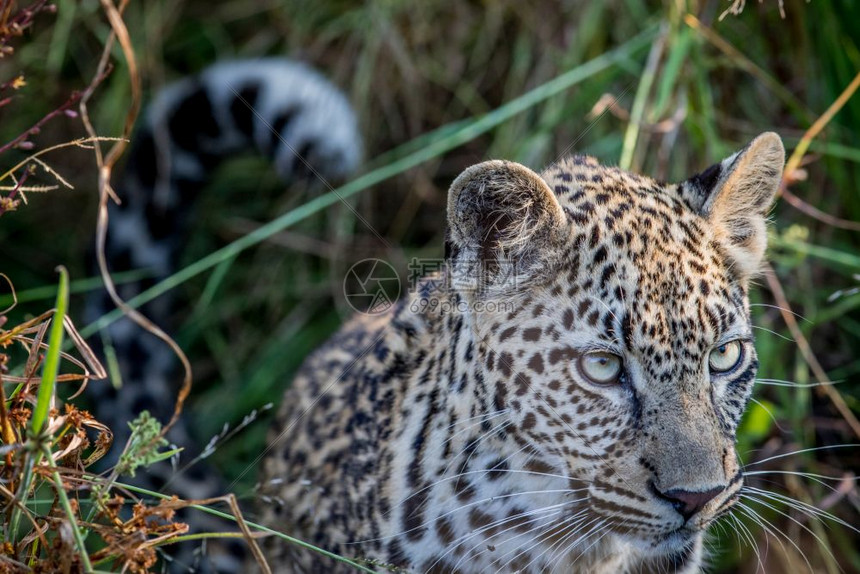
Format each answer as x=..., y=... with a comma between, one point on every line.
x=628, y=359
x=629, y=370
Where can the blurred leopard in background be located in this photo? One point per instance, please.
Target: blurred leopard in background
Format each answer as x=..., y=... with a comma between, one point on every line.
x=278, y=108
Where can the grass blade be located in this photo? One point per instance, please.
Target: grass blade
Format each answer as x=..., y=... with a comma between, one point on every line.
x=51, y=367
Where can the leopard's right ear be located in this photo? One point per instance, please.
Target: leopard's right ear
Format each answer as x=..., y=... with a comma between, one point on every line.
x=503, y=224
x=735, y=195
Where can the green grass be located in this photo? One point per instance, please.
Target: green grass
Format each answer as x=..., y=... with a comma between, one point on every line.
x=501, y=80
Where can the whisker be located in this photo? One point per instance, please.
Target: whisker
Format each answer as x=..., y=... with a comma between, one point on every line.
x=812, y=449
x=526, y=550
x=572, y=530
x=556, y=508
x=799, y=505
x=471, y=472
x=769, y=527
x=603, y=524
x=605, y=306
x=465, y=464
x=564, y=551
x=781, y=383
x=574, y=521
x=798, y=315
x=743, y=533
x=490, y=415
x=523, y=514
x=822, y=544
x=809, y=475
x=463, y=507
x=770, y=414
x=484, y=471
x=485, y=417
x=520, y=551
x=473, y=446
x=557, y=548
x=577, y=518
x=772, y=332
x=755, y=546
x=837, y=492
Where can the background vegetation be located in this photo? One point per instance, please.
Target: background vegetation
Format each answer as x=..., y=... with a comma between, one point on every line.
x=708, y=78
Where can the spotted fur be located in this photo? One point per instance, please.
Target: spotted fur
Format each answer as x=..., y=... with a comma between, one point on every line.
x=464, y=436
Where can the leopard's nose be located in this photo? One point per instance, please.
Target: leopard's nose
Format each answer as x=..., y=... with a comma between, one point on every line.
x=688, y=502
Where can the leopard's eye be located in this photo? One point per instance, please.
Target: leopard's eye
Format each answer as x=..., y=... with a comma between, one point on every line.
x=600, y=367
x=725, y=357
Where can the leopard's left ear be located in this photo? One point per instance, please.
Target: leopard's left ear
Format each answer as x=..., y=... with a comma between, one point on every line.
x=735, y=196
x=504, y=227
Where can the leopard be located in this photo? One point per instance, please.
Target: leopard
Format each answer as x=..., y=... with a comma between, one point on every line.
x=562, y=396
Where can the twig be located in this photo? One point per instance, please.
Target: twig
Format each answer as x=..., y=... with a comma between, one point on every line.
x=816, y=213
x=80, y=142
x=8, y=203
x=14, y=295
x=17, y=24
x=35, y=128
x=249, y=537
x=797, y=155
x=105, y=163
x=826, y=386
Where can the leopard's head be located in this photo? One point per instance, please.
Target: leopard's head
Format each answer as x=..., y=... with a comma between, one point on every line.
x=624, y=354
